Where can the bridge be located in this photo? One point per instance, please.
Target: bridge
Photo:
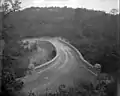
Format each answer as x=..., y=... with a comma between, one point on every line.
x=67, y=67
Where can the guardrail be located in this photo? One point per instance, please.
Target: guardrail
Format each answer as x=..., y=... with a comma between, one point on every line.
x=87, y=64
x=47, y=63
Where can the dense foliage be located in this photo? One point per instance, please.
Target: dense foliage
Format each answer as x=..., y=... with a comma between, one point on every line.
x=82, y=89
x=9, y=84
x=94, y=33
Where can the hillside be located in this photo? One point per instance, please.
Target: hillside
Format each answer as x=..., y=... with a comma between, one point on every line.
x=81, y=27
x=94, y=33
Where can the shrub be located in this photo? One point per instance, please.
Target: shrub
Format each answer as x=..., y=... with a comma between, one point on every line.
x=9, y=81
x=81, y=89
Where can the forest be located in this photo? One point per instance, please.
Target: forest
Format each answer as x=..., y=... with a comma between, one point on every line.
x=94, y=33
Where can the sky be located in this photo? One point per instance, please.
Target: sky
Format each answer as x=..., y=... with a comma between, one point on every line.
x=104, y=5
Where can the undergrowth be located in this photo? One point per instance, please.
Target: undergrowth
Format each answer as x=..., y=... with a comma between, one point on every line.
x=84, y=89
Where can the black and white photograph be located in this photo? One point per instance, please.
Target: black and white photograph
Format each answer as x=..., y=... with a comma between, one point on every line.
x=59, y=48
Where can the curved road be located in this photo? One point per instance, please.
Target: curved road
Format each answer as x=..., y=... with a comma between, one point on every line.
x=66, y=68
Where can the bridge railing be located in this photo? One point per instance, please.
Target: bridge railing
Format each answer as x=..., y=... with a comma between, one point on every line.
x=45, y=65
x=86, y=63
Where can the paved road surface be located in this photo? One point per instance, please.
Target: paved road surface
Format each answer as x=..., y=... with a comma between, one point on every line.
x=67, y=68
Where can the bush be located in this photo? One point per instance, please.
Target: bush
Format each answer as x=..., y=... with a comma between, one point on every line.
x=84, y=89
x=10, y=82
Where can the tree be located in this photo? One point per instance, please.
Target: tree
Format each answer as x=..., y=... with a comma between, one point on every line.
x=9, y=82
x=8, y=6
x=114, y=11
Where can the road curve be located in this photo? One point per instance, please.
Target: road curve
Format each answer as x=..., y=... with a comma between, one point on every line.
x=68, y=67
